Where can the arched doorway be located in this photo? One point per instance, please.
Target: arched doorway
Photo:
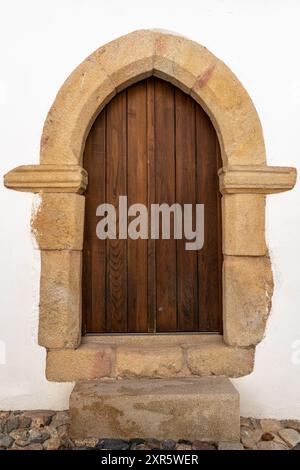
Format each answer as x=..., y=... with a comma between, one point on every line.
x=154, y=144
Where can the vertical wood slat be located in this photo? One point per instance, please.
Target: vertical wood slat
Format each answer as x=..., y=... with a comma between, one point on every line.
x=94, y=266
x=187, y=279
x=137, y=190
x=218, y=324
x=151, y=200
x=116, y=184
x=208, y=257
x=166, y=306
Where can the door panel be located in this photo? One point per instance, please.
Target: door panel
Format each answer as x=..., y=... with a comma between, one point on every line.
x=155, y=144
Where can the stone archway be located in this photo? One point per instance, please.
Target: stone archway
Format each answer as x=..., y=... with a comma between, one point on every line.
x=57, y=220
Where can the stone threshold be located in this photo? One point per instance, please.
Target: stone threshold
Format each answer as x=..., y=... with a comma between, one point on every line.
x=204, y=408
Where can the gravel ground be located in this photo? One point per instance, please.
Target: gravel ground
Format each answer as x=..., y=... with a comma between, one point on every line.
x=48, y=430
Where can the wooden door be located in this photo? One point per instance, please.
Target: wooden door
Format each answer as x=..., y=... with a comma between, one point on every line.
x=155, y=144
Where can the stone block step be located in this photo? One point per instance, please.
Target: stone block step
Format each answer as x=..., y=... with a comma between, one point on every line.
x=205, y=408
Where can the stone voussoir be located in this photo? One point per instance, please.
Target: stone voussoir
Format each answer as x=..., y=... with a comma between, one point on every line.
x=180, y=60
x=57, y=221
x=233, y=115
x=60, y=299
x=85, y=92
x=128, y=58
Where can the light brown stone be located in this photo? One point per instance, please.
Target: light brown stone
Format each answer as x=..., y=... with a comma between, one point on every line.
x=128, y=58
x=57, y=221
x=233, y=115
x=290, y=436
x=180, y=60
x=243, y=222
x=257, y=179
x=90, y=442
x=271, y=445
x=216, y=358
x=270, y=425
x=291, y=423
x=60, y=299
x=52, y=444
x=85, y=363
x=247, y=292
x=250, y=437
x=47, y=178
x=86, y=91
x=230, y=445
x=161, y=355
x=194, y=408
x=148, y=362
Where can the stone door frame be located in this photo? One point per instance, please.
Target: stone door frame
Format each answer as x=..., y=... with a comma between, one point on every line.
x=58, y=214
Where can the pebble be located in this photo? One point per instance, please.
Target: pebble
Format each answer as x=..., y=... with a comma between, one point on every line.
x=291, y=423
x=270, y=425
x=267, y=436
x=24, y=422
x=183, y=447
x=199, y=445
x=11, y=424
x=251, y=423
x=62, y=430
x=113, y=444
x=271, y=445
x=5, y=441
x=230, y=446
x=4, y=415
x=168, y=444
x=152, y=443
x=60, y=419
x=40, y=418
x=139, y=447
x=38, y=437
x=90, y=442
x=20, y=436
x=52, y=444
x=29, y=447
x=250, y=437
x=290, y=436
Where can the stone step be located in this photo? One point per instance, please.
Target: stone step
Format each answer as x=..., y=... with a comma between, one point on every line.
x=205, y=408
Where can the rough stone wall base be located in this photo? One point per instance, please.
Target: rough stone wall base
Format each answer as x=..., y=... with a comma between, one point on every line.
x=205, y=408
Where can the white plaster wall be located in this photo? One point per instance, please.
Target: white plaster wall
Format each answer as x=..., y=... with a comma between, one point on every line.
x=41, y=42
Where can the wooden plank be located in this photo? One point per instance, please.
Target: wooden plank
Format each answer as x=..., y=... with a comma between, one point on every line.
x=137, y=193
x=208, y=257
x=151, y=200
x=116, y=169
x=94, y=253
x=187, y=273
x=219, y=322
x=166, y=305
